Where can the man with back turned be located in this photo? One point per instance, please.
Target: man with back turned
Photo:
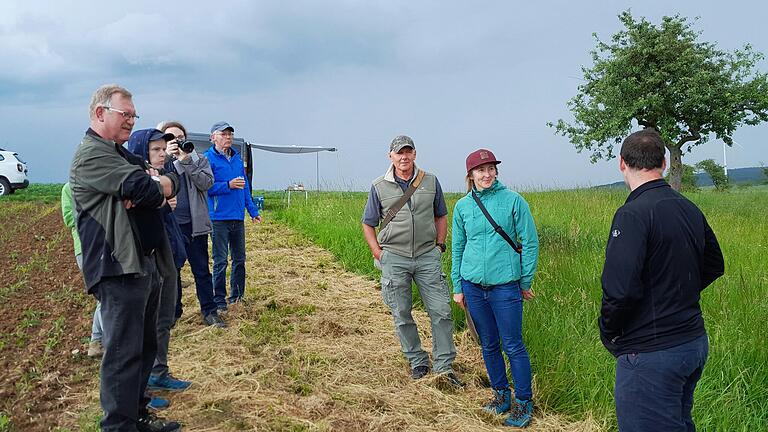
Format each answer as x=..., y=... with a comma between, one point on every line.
x=661, y=254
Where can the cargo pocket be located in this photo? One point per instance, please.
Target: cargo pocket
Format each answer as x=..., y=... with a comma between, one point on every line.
x=387, y=292
x=446, y=289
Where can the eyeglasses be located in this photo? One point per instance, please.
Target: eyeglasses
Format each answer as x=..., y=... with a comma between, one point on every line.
x=226, y=133
x=126, y=115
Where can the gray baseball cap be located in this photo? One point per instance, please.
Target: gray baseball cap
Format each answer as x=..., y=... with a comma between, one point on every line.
x=221, y=126
x=401, y=141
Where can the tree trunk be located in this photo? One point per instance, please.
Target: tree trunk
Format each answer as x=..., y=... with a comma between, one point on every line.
x=675, y=167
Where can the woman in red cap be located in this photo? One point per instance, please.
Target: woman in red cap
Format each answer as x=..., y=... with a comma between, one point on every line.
x=492, y=272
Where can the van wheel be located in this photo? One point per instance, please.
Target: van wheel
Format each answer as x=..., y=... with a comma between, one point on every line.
x=5, y=187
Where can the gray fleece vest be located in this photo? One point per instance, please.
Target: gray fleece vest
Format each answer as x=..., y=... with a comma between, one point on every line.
x=411, y=232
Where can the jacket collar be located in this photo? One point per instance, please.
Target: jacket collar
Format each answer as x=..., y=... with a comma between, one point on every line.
x=496, y=186
x=233, y=152
x=390, y=174
x=653, y=184
x=93, y=134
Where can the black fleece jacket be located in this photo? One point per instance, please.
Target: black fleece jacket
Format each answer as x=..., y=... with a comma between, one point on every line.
x=661, y=254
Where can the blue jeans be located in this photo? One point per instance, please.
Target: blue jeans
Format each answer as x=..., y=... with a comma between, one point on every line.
x=654, y=390
x=197, y=255
x=228, y=237
x=498, y=315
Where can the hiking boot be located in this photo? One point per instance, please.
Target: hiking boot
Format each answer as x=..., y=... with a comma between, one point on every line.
x=95, y=349
x=167, y=383
x=213, y=319
x=521, y=413
x=501, y=402
x=419, y=372
x=452, y=379
x=151, y=423
x=222, y=311
x=157, y=404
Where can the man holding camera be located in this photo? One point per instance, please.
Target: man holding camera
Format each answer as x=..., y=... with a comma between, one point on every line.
x=228, y=198
x=195, y=178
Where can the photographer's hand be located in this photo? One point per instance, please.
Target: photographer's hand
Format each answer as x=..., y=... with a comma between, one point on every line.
x=173, y=149
x=181, y=155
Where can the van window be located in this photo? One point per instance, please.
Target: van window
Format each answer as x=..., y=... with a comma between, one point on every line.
x=2, y=158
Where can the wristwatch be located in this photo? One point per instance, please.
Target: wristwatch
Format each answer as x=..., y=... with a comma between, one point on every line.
x=441, y=246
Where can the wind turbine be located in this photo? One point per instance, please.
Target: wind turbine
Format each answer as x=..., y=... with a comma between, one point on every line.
x=725, y=157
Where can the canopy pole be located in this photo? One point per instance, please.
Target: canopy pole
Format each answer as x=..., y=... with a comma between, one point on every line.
x=317, y=170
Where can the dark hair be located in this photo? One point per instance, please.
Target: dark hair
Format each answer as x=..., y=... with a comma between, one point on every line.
x=643, y=150
x=164, y=126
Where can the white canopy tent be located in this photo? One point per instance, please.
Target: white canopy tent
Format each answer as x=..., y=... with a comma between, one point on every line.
x=202, y=143
x=294, y=149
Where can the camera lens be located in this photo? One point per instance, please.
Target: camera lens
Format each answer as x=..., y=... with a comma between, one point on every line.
x=187, y=146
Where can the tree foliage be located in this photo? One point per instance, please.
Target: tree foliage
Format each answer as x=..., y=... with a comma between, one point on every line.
x=716, y=172
x=664, y=77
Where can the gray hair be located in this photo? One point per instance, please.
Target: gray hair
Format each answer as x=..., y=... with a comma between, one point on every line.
x=103, y=95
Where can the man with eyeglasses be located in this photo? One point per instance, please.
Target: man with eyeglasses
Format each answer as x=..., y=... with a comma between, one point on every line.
x=119, y=267
x=228, y=198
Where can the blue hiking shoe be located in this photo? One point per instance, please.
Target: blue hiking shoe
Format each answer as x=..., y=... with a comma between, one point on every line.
x=501, y=402
x=167, y=383
x=521, y=413
x=157, y=404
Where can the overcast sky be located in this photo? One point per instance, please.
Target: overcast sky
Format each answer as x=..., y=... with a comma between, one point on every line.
x=455, y=76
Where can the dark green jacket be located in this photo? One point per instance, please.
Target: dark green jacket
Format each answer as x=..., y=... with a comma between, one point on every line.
x=101, y=180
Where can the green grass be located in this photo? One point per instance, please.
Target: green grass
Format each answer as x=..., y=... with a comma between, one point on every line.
x=573, y=373
x=41, y=192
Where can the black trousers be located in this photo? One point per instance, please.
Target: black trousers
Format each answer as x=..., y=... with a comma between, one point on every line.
x=129, y=322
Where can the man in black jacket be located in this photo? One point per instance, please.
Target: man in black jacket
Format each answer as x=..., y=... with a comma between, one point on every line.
x=119, y=264
x=661, y=254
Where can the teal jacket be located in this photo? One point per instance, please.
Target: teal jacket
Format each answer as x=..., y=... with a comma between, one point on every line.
x=482, y=256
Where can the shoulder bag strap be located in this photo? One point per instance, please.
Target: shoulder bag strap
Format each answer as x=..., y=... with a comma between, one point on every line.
x=401, y=202
x=496, y=227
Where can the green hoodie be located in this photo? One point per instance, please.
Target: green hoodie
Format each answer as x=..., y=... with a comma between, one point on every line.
x=482, y=256
x=68, y=212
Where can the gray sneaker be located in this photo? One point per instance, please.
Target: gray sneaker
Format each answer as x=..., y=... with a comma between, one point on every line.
x=95, y=349
x=213, y=319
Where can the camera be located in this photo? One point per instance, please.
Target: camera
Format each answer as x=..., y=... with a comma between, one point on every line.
x=187, y=146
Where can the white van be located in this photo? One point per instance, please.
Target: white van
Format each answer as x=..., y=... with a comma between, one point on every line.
x=13, y=172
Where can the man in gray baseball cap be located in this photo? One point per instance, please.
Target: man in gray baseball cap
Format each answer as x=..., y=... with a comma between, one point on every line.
x=228, y=199
x=408, y=207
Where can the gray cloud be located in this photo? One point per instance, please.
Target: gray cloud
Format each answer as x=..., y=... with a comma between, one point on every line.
x=454, y=75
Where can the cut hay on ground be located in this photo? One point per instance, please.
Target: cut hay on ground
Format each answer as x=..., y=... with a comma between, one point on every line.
x=314, y=349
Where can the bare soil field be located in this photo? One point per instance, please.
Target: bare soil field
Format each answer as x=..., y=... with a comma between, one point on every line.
x=45, y=319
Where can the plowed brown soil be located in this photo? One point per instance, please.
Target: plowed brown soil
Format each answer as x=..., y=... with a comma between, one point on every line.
x=45, y=319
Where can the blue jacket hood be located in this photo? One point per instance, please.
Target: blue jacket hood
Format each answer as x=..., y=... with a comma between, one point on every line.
x=138, y=143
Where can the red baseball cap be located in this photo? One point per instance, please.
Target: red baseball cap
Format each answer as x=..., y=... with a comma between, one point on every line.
x=480, y=157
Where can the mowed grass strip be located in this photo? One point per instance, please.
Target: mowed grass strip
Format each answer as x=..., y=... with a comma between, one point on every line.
x=573, y=374
x=312, y=349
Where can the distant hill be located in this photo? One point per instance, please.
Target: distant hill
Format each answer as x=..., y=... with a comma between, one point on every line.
x=751, y=175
